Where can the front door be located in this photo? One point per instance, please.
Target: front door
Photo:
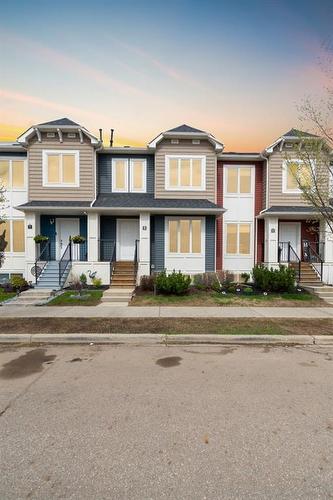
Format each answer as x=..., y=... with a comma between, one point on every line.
x=127, y=234
x=291, y=232
x=65, y=228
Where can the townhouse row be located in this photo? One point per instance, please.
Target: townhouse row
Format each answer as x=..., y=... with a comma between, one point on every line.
x=180, y=203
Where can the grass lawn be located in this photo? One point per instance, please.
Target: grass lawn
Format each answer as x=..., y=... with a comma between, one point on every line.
x=5, y=296
x=242, y=326
x=90, y=298
x=201, y=298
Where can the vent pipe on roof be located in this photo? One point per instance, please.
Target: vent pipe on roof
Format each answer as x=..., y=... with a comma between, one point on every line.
x=111, y=138
x=101, y=135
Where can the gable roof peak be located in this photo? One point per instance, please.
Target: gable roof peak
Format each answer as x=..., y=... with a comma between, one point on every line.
x=294, y=132
x=186, y=129
x=59, y=122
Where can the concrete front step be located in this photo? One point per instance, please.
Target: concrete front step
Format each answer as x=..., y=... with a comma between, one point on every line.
x=31, y=297
x=118, y=295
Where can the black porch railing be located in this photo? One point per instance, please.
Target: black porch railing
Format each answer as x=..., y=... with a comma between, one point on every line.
x=65, y=260
x=287, y=254
x=43, y=258
x=136, y=256
x=106, y=249
x=314, y=254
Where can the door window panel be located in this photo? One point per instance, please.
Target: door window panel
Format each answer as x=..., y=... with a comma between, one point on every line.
x=245, y=180
x=196, y=236
x=68, y=169
x=232, y=238
x=173, y=236
x=244, y=239
x=18, y=236
x=4, y=173
x=184, y=236
x=53, y=169
x=185, y=173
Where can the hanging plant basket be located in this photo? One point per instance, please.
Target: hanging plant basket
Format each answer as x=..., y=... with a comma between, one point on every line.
x=39, y=238
x=78, y=239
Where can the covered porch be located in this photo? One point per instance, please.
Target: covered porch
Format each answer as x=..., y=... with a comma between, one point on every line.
x=297, y=236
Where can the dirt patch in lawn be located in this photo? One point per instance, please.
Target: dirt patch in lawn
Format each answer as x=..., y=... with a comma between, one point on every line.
x=209, y=299
x=246, y=326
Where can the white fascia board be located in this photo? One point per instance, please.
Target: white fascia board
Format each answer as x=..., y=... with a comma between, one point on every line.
x=155, y=141
x=239, y=157
x=23, y=139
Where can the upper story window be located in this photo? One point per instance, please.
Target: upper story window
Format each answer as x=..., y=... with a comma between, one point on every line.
x=61, y=168
x=185, y=173
x=294, y=174
x=13, y=174
x=238, y=180
x=129, y=175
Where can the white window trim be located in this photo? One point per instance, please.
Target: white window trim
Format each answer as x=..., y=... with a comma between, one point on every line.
x=202, y=187
x=12, y=253
x=114, y=188
x=183, y=254
x=46, y=153
x=129, y=176
x=10, y=159
x=144, y=175
x=225, y=180
x=225, y=232
x=285, y=190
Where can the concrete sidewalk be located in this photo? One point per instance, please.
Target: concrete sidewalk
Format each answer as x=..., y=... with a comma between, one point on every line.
x=106, y=311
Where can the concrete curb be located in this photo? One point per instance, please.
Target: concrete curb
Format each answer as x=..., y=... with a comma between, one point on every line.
x=157, y=339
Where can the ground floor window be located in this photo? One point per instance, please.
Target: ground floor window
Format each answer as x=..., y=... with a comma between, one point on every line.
x=184, y=236
x=5, y=277
x=238, y=238
x=14, y=236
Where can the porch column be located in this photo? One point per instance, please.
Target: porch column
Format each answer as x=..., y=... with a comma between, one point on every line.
x=32, y=228
x=326, y=236
x=144, y=246
x=271, y=240
x=93, y=237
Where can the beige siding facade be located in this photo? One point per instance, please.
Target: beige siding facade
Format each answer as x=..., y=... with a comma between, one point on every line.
x=185, y=147
x=276, y=196
x=86, y=189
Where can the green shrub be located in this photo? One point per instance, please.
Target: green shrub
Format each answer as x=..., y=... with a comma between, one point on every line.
x=97, y=282
x=83, y=279
x=205, y=281
x=174, y=283
x=231, y=288
x=248, y=290
x=147, y=283
x=18, y=283
x=245, y=277
x=274, y=280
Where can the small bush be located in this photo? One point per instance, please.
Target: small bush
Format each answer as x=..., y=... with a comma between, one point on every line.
x=205, y=281
x=83, y=279
x=231, y=289
x=245, y=277
x=147, y=283
x=174, y=283
x=274, y=280
x=225, y=277
x=18, y=283
x=96, y=282
x=76, y=284
x=248, y=290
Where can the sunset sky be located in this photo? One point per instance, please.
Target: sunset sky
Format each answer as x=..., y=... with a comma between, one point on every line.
x=237, y=69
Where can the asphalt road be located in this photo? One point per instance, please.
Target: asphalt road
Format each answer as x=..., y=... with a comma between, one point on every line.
x=127, y=422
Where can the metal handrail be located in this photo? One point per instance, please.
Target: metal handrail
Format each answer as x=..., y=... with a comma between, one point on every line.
x=112, y=260
x=65, y=259
x=45, y=261
x=136, y=253
x=286, y=253
x=312, y=256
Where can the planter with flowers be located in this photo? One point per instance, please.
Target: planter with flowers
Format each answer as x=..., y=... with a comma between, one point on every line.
x=77, y=241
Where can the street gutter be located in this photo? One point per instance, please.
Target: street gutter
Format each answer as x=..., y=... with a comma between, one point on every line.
x=165, y=339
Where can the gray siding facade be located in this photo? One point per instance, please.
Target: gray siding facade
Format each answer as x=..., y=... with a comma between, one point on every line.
x=157, y=243
x=104, y=171
x=210, y=243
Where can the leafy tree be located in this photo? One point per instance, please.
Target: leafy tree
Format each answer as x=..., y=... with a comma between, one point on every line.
x=314, y=172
